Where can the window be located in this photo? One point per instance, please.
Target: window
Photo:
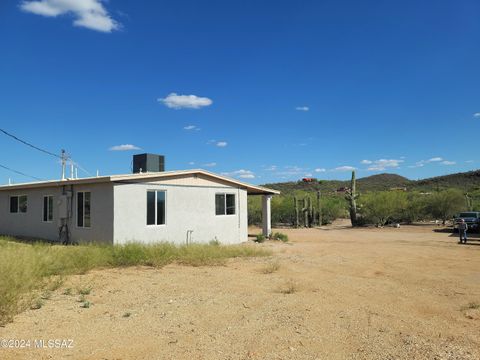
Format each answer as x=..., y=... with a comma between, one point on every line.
x=18, y=204
x=48, y=208
x=83, y=209
x=155, y=207
x=225, y=204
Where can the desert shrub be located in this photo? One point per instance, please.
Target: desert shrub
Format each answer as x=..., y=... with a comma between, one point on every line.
x=333, y=207
x=445, y=204
x=259, y=238
x=214, y=242
x=280, y=236
x=271, y=267
x=290, y=287
x=283, y=210
x=415, y=209
x=381, y=207
x=254, y=210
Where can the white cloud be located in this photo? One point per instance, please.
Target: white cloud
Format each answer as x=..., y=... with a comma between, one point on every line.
x=418, y=164
x=175, y=101
x=383, y=164
x=436, y=159
x=191, y=163
x=191, y=128
x=90, y=14
x=476, y=115
x=271, y=168
x=318, y=170
x=366, y=162
x=302, y=108
x=210, y=164
x=243, y=174
x=469, y=161
x=446, y=162
x=344, y=168
x=124, y=147
x=221, y=144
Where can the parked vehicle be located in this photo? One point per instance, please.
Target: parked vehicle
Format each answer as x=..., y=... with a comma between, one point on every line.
x=472, y=218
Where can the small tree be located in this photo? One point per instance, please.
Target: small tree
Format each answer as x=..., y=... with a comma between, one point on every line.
x=381, y=207
x=445, y=204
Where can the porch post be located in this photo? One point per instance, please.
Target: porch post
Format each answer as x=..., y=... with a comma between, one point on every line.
x=266, y=215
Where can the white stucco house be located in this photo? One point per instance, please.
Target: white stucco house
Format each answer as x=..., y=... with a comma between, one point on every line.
x=175, y=206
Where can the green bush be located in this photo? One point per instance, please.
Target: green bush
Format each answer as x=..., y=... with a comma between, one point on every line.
x=283, y=208
x=280, y=236
x=259, y=238
x=445, y=204
x=381, y=207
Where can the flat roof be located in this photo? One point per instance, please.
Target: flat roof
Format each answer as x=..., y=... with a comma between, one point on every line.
x=251, y=189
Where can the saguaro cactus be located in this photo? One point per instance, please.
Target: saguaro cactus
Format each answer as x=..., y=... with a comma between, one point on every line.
x=319, y=209
x=297, y=220
x=351, y=197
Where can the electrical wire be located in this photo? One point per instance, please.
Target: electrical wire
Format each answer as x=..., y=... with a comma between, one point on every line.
x=20, y=173
x=28, y=144
x=44, y=151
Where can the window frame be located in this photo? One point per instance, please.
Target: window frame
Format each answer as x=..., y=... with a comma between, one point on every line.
x=156, y=191
x=48, y=209
x=225, y=207
x=83, y=210
x=18, y=204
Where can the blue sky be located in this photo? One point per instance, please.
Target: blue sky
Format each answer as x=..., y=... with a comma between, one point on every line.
x=264, y=91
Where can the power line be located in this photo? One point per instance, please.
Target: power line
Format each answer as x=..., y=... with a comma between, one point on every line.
x=44, y=151
x=19, y=172
x=28, y=144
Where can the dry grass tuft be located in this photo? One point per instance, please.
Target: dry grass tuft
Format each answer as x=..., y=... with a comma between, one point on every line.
x=290, y=287
x=270, y=267
x=471, y=306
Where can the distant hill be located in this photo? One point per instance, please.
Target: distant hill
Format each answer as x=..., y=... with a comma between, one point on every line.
x=467, y=181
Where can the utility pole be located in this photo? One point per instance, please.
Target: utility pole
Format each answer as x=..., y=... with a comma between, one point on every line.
x=64, y=163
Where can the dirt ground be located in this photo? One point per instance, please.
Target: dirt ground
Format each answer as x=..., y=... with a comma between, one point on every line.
x=339, y=293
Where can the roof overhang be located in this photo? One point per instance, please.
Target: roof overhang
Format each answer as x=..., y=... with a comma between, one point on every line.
x=251, y=189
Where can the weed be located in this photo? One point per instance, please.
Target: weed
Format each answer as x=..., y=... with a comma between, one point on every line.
x=289, y=288
x=85, y=290
x=271, y=267
x=280, y=236
x=127, y=315
x=259, y=238
x=67, y=291
x=471, y=306
x=86, y=304
x=214, y=242
x=37, y=304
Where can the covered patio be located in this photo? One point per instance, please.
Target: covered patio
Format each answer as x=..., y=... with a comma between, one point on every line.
x=266, y=195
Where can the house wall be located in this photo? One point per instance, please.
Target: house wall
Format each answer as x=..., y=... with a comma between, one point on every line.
x=190, y=205
x=30, y=224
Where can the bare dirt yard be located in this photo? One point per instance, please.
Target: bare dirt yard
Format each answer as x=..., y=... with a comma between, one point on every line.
x=331, y=293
